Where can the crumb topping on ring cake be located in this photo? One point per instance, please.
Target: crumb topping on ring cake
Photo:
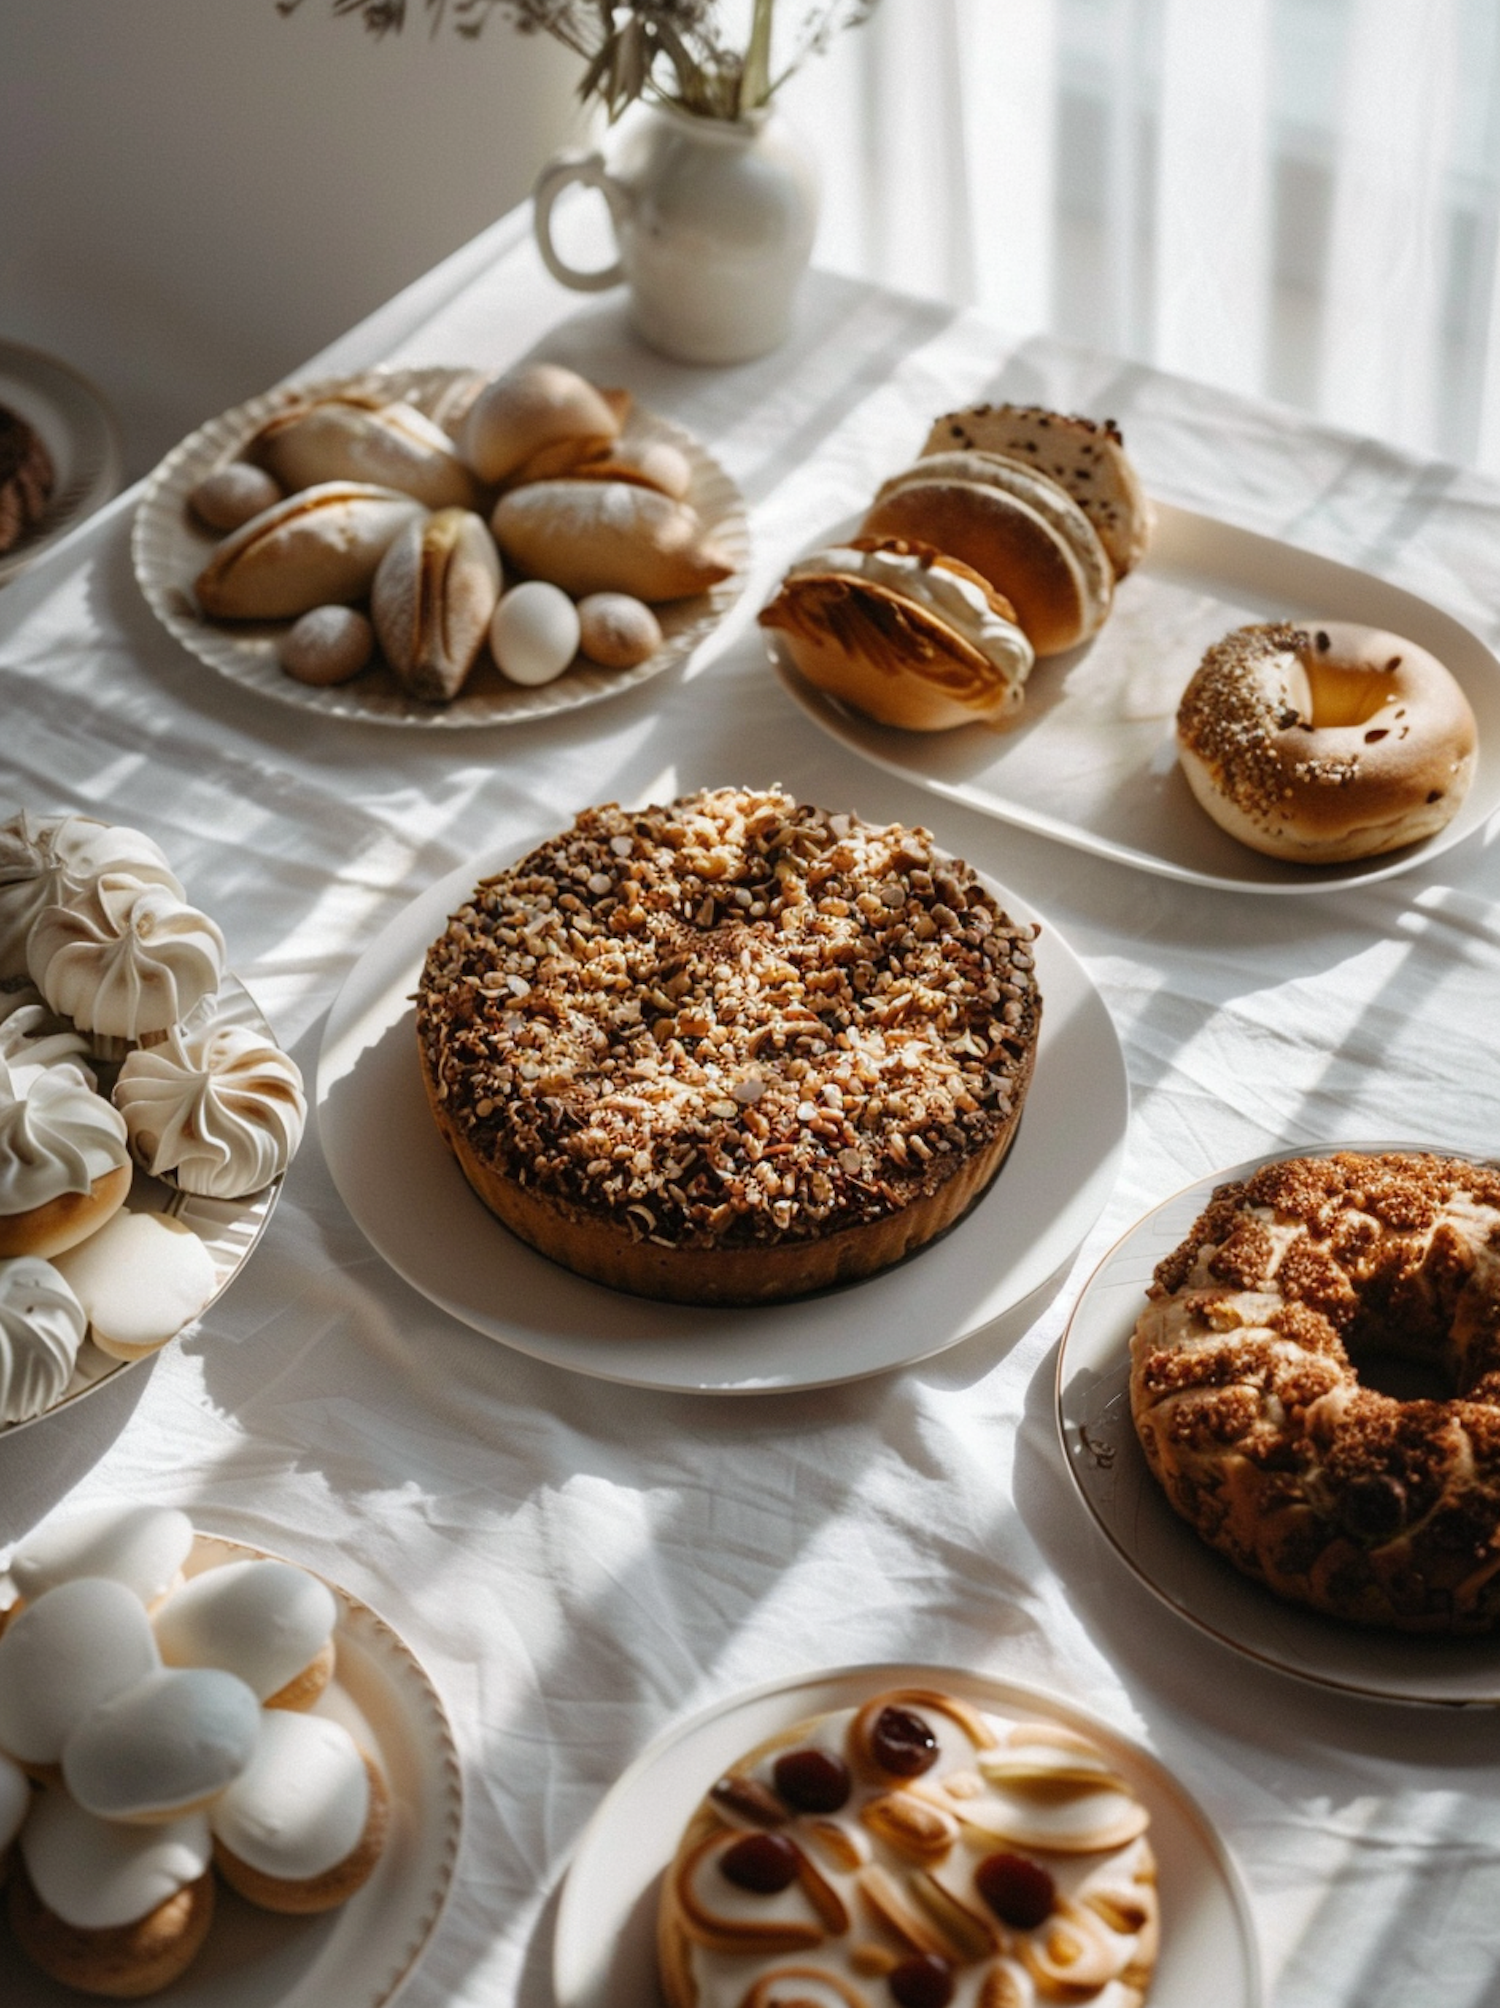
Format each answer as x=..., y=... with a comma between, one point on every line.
x=732, y=1021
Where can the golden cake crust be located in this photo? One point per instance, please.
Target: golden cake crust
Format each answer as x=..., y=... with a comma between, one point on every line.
x=729, y=1050
x=1247, y=1399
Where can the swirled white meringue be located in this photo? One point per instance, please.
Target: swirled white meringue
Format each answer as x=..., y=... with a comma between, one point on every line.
x=219, y=1107
x=97, y=1874
x=56, y=1135
x=33, y=1036
x=53, y=860
x=42, y=1325
x=126, y=959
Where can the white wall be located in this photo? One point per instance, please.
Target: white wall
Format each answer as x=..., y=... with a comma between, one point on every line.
x=197, y=194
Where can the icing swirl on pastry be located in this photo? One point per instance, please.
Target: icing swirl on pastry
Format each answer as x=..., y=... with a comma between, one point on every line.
x=42, y=1325
x=56, y=860
x=127, y=959
x=33, y=1036
x=219, y=1107
x=56, y=1135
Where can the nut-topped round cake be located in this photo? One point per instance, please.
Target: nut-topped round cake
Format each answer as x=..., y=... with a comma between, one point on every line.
x=729, y=1050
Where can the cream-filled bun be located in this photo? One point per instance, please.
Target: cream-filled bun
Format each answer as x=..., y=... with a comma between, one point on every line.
x=303, y=1825
x=54, y=860
x=141, y=1278
x=903, y=633
x=217, y=1108
x=126, y=961
x=1085, y=456
x=534, y=409
x=64, y=1656
x=1017, y=529
x=32, y=1035
x=162, y=1747
x=15, y=1804
x=143, y=1547
x=42, y=1325
x=269, y=1622
x=64, y=1160
x=109, y=1909
x=353, y=438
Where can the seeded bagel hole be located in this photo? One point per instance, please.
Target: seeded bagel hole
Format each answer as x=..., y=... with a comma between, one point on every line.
x=1340, y=696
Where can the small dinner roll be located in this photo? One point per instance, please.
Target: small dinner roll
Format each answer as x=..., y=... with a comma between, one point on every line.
x=616, y=630
x=327, y=645
x=433, y=596
x=608, y=536
x=529, y=409
x=321, y=544
x=234, y=493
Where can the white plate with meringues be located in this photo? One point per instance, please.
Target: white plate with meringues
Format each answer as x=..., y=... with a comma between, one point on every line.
x=170, y=547
x=604, y=1946
x=406, y=1192
x=1165, y=1554
x=1090, y=759
x=360, y=1954
x=228, y=1228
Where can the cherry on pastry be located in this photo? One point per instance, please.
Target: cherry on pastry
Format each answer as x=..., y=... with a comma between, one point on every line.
x=764, y=1863
x=1020, y=1892
x=812, y=1781
x=923, y=1982
x=902, y=1743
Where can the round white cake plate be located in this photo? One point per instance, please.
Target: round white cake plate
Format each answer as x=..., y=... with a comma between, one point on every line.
x=604, y=1949
x=1110, y=1471
x=170, y=547
x=405, y=1190
x=358, y=1955
x=78, y=430
x=229, y=1229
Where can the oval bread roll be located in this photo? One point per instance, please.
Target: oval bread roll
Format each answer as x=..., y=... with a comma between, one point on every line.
x=530, y=409
x=433, y=597
x=608, y=537
x=348, y=439
x=313, y=548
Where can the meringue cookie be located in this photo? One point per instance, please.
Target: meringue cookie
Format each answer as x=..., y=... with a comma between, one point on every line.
x=58, y=1138
x=126, y=960
x=143, y=1547
x=262, y=1620
x=141, y=1278
x=217, y=1107
x=42, y=1325
x=33, y=1036
x=96, y=1874
x=53, y=860
x=64, y=1656
x=163, y=1746
x=299, y=1807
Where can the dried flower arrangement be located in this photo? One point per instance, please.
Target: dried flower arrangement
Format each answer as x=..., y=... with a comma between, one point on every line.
x=682, y=52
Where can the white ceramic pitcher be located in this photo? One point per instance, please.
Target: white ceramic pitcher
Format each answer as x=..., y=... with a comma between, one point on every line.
x=714, y=220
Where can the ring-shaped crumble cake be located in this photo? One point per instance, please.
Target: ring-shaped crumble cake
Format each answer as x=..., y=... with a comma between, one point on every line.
x=730, y=1050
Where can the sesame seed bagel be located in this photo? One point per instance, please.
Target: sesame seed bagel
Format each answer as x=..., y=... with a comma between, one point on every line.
x=1245, y=1385
x=730, y=1050
x=1325, y=743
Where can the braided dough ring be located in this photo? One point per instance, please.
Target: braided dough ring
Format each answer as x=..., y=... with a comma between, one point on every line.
x=1247, y=1399
x=1321, y=744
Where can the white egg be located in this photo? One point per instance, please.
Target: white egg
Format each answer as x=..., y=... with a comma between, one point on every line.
x=534, y=632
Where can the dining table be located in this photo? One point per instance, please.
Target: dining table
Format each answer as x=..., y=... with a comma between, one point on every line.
x=593, y=1520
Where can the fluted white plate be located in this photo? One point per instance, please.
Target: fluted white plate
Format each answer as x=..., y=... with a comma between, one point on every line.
x=170, y=548
x=229, y=1228
x=405, y=1189
x=78, y=430
x=1109, y=1468
x=604, y=1948
x=358, y=1955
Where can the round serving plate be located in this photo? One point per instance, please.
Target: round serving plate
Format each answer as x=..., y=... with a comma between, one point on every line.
x=406, y=1191
x=229, y=1228
x=1107, y=1465
x=78, y=430
x=170, y=547
x=604, y=1948
x=359, y=1954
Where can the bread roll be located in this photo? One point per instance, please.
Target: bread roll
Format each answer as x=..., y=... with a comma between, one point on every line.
x=316, y=547
x=433, y=596
x=530, y=409
x=608, y=537
x=358, y=439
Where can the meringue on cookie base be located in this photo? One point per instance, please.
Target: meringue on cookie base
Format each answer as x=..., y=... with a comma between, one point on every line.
x=908, y=636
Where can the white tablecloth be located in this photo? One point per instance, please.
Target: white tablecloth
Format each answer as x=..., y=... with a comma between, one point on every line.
x=578, y=1564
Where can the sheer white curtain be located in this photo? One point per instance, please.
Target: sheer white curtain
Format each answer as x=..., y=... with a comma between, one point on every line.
x=1291, y=197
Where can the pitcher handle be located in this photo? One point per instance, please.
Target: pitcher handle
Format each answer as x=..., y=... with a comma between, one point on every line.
x=560, y=172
